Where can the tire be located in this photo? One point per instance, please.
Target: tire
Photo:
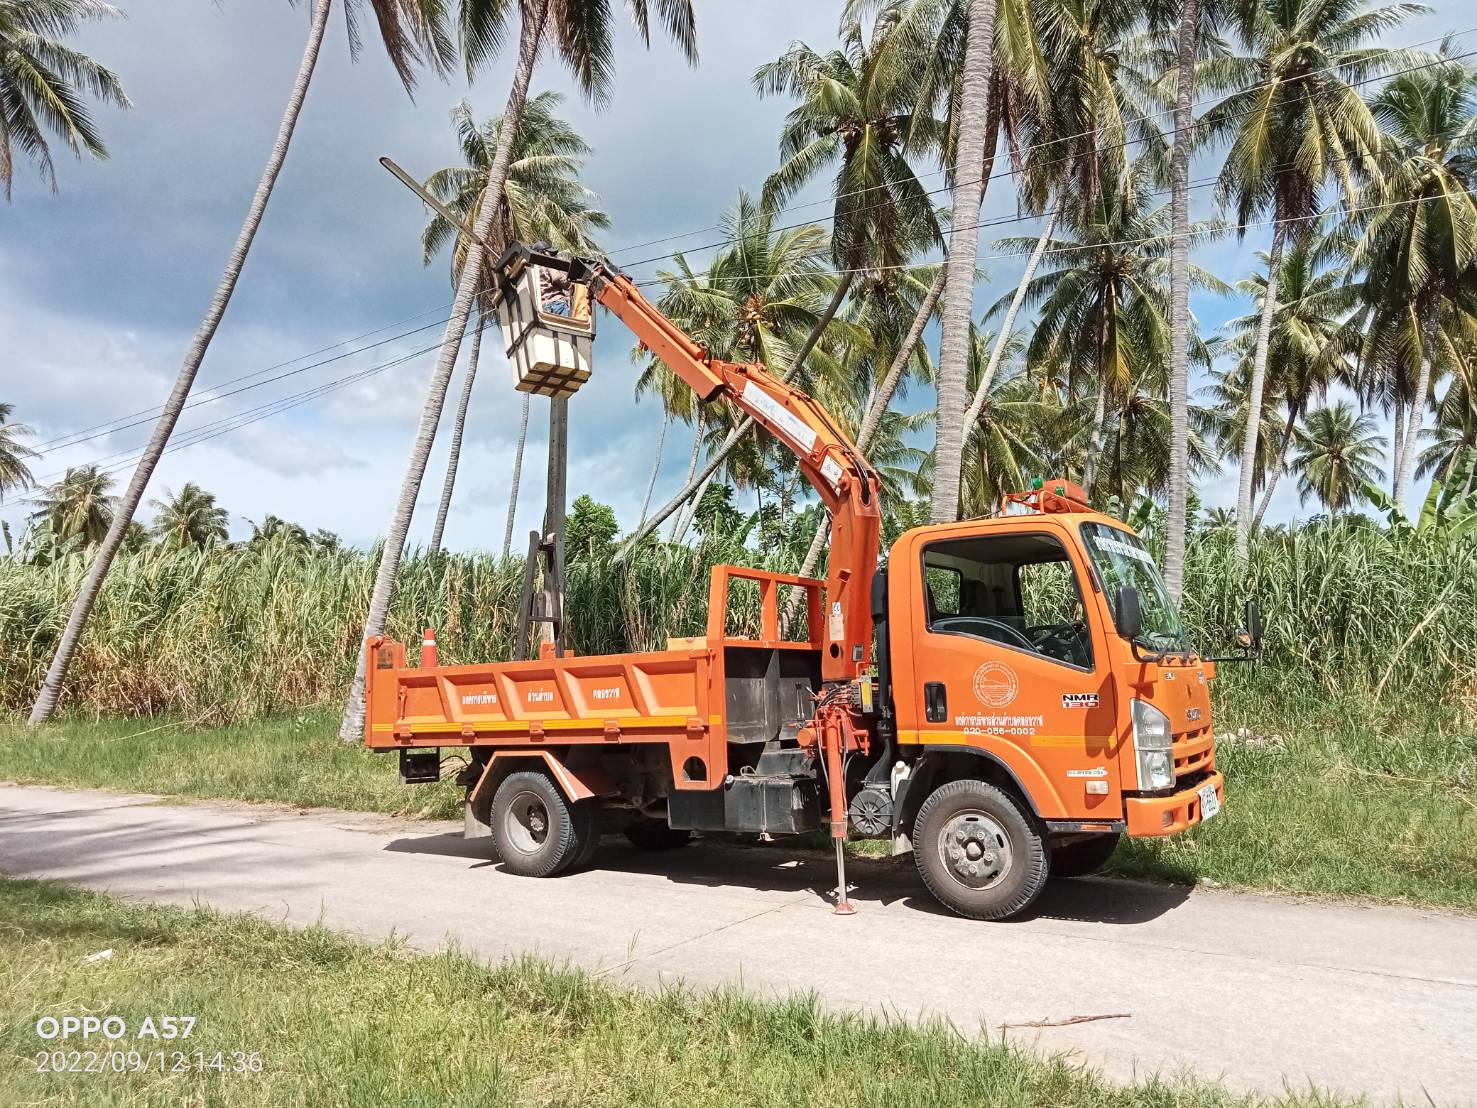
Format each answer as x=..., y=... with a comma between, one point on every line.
x=991, y=830
x=589, y=827
x=536, y=831
x=1084, y=857
x=652, y=834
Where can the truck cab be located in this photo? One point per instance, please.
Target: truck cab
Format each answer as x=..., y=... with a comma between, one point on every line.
x=1007, y=665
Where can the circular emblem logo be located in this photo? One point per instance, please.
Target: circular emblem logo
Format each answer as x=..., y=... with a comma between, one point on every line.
x=995, y=684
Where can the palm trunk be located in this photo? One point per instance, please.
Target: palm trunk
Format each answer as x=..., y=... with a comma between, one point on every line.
x=958, y=311
x=128, y=504
x=1254, y=397
x=697, y=452
x=1179, y=302
x=982, y=388
x=1399, y=440
x=656, y=466
x=882, y=398
x=534, y=16
x=1293, y=411
x=517, y=477
x=454, y=457
x=684, y=521
x=1095, y=440
x=842, y=288
x=1405, y=462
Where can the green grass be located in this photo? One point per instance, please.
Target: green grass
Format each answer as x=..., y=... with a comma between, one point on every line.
x=296, y=760
x=339, y=1022
x=1332, y=795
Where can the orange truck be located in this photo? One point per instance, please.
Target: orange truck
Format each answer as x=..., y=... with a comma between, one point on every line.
x=1004, y=698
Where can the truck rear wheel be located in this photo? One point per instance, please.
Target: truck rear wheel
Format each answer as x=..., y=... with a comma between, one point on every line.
x=1084, y=857
x=979, y=850
x=536, y=831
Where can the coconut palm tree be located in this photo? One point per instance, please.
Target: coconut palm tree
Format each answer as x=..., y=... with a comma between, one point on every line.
x=1311, y=346
x=274, y=529
x=858, y=110
x=190, y=517
x=1418, y=236
x=959, y=267
x=1455, y=431
x=758, y=300
x=542, y=200
x=412, y=33
x=14, y=474
x=931, y=37
x=1080, y=132
x=580, y=32
x=1104, y=313
x=44, y=83
x=1194, y=22
x=80, y=504
x=1339, y=451
x=1294, y=122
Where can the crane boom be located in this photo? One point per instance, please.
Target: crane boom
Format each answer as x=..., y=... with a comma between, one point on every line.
x=847, y=485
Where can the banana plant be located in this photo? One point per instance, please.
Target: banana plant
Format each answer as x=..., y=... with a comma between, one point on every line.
x=1450, y=506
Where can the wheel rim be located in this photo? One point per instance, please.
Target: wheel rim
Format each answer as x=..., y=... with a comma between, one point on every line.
x=975, y=850
x=527, y=823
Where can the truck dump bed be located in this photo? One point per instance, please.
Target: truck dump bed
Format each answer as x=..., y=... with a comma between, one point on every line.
x=695, y=697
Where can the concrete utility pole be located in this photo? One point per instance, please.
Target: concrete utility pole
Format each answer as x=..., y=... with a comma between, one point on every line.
x=552, y=629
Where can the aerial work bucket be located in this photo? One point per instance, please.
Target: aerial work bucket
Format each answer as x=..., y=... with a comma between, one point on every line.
x=547, y=320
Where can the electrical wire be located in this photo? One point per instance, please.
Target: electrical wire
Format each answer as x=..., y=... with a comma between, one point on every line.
x=79, y=437
x=1077, y=247
x=230, y=423
x=1065, y=158
x=205, y=432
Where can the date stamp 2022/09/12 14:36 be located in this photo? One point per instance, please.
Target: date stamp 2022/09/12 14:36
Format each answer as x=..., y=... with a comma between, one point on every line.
x=110, y=1044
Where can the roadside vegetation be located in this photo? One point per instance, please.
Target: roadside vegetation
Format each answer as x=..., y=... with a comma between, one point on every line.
x=1351, y=748
x=335, y=1021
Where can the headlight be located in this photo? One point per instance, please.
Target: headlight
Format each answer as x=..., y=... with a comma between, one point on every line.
x=1151, y=746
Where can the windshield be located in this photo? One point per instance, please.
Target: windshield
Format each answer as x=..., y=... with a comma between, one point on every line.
x=1121, y=559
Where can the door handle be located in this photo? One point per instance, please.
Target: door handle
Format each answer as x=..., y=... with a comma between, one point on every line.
x=935, y=702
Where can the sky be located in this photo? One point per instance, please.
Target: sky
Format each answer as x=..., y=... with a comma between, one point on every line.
x=102, y=285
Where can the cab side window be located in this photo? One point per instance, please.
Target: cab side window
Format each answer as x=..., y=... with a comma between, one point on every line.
x=1017, y=591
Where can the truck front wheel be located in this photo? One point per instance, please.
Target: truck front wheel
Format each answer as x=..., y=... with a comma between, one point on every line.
x=979, y=851
x=536, y=831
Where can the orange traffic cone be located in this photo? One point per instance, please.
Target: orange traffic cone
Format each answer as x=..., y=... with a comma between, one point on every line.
x=429, y=657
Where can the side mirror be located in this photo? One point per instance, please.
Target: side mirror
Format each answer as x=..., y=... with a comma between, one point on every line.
x=1254, y=623
x=1129, y=613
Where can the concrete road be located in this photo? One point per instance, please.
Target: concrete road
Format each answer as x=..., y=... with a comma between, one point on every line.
x=1262, y=992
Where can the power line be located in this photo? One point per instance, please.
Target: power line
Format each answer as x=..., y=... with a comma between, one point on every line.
x=1066, y=138
x=204, y=432
x=1077, y=247
x=80, y=437
x=43, y=447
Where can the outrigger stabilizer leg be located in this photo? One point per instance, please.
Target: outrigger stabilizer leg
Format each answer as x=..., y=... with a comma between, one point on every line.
x=832, y=737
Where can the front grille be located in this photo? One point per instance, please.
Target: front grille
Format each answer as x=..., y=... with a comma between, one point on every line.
x=1194, y=754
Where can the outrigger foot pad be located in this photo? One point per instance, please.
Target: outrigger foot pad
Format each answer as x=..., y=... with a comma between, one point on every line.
x=843, y=906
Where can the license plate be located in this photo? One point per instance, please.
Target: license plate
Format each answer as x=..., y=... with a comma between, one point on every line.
x=1210, y=804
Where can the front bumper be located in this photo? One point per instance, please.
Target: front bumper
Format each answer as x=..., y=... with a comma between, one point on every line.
x=1169, y=815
